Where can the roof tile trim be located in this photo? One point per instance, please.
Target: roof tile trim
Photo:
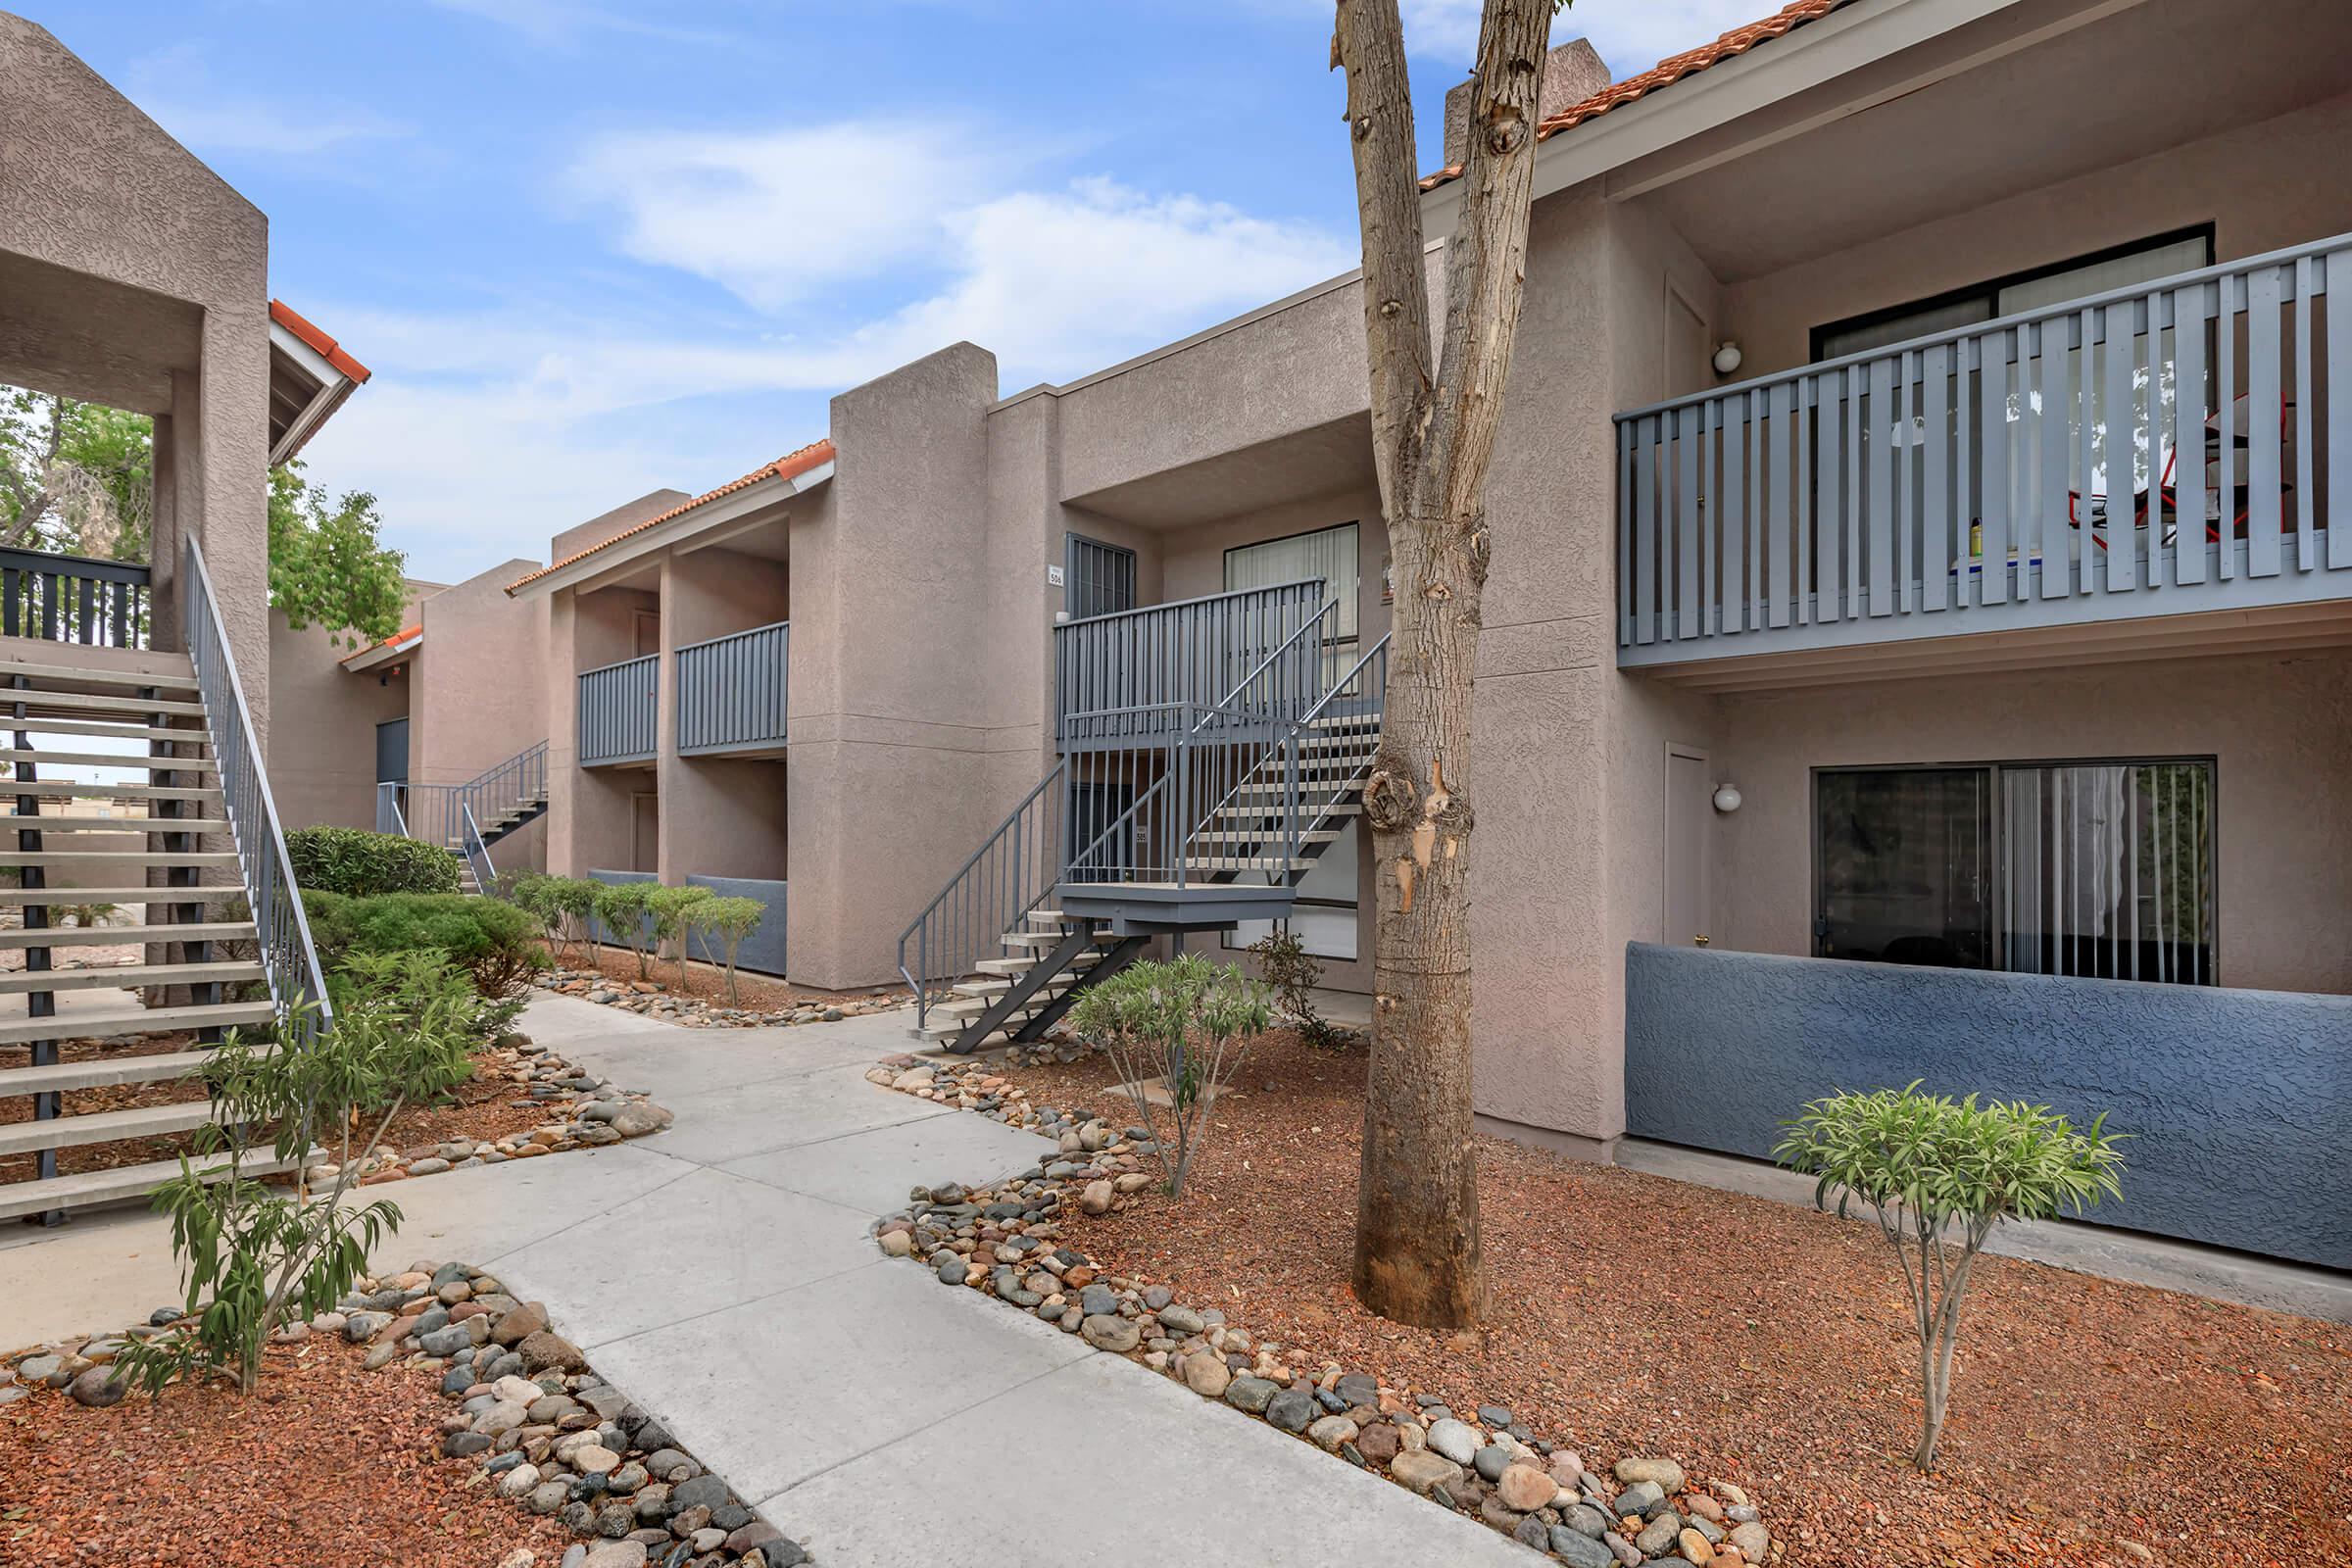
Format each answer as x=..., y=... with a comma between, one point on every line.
x=328, y=348
x=397, y=639
x=790, y=466
x=1667, y=72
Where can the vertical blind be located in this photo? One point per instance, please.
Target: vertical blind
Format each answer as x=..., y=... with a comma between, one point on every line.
x=2107, y=870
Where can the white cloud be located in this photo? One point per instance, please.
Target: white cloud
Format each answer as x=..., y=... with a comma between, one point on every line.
x=483, y=433
x=175, y=89
x=771, y=215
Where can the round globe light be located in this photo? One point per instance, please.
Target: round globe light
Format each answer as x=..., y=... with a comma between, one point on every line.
x=1726, y=798
x=1726, y=359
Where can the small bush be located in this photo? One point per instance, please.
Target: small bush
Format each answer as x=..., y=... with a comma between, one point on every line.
x=1293, y=973
x=726, y=922
x=493, y=944
x=672, y=910
x=361, y=864
x=1180, y=1027
x=1939, y=1175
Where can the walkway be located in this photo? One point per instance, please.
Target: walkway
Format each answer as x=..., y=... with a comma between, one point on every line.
x=721, y=1273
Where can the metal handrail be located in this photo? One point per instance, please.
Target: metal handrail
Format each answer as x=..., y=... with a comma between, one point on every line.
x=995, y=888
x=75, y=599
x=723, y=637
x=282, y=932
x=478, y=852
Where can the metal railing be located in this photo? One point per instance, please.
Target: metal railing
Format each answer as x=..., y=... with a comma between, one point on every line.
x=1217, y=746
x=515, y=788
x=282, y=931
x=75, y=599
x=2156, y=450
x=1014, y=871
x=619, y=705
x=476, y=852
x=1125, y=678
x=731, y=691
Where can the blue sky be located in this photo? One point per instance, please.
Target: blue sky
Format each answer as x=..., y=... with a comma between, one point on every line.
x=593, y=248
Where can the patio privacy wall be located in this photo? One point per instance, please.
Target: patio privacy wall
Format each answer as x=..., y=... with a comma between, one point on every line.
x=764, y=949
x=2232, y=1099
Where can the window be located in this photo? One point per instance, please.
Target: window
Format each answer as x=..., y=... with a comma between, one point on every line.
x=2139, y=261
x=2102, y=869
x=1100, y=578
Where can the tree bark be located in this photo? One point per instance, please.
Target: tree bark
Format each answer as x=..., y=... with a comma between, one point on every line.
x=1417, y=1255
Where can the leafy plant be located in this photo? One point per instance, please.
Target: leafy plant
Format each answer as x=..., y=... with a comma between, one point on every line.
x=329, y=562
x=256, y=1256
x=361, y=864
x=1179, y=1026
x=535, y=894
x=672, y=908
x=90, y=914
x=728, y=921
x=622, y=906
x=1293, y=973
x=1939, y=1175
x=491, y=944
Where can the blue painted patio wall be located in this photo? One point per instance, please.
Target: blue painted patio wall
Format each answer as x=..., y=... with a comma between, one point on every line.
x=2236, y=1099
x=598, y=928
x=764, y=949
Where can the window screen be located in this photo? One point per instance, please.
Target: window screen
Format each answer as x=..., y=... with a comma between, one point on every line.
x=1100, y=578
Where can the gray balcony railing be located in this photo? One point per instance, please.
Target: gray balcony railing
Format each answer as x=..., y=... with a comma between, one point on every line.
x=731, y=691
x=73, y=599
x=617, y=707
x=1129, y=679
x=2159, y=450
x=498, y=799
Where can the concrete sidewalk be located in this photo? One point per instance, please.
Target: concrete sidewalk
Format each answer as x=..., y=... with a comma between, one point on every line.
x=722, y=1274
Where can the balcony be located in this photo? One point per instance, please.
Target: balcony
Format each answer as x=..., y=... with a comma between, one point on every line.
x=2058, y=475
x=618, y=708
x=1142, y=678
x=731, y=693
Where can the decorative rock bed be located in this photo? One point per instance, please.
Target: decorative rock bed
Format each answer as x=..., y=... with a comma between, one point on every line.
x=1005, y=1240
x=549, y=1435
x=656, y=1000
x=583, y=1112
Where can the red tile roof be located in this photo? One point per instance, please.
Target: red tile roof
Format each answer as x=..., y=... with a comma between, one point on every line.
x=405, y=635
x=790, y=466
x=1667, y=72
x=328, y=348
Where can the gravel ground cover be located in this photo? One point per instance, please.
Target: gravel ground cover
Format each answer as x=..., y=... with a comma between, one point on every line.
x=701, y=1000
x=2094, y=1422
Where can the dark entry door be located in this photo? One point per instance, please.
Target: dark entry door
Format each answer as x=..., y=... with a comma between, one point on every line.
x=392, y=752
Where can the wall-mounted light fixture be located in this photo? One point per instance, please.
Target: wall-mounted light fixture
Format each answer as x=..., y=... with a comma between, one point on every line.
x=1726, y=798
x=1727, y=356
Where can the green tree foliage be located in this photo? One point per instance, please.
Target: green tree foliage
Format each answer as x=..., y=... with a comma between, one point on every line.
x=358, y=863
x=1175, y=1031
x=1939, y=1175
x=622, y=909
x=494, y=945
x=329, y=565
x=725, y=924
x=672, y=910
x=1293, y=973
x=80, y=477
x=256, y=1256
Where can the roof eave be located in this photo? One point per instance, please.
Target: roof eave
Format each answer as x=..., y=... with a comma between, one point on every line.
x=630, y=548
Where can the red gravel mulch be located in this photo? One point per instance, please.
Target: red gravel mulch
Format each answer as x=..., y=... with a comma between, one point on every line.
x=324, y=1466
x=1771, y=1345
x=759, y=993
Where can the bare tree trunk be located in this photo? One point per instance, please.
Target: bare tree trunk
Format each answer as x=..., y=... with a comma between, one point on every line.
x=1417, y=1254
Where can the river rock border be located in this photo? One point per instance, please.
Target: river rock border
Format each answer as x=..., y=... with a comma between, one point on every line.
x=654, y=1000
x=548, y=1433
x=1005, y=1240
x=584, y=1111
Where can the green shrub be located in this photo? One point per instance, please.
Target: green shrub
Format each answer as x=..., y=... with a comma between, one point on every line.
x=1939, y=1175
x=727, y=921
x=1293, y=973
x=672, y=908
x=622, y=908
x=494, y=944
x=1180, y=1028
x=361, y=864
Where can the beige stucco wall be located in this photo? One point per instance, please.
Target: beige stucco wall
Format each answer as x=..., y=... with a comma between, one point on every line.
x=721, y=816
x=131, y=274
x=322, y=737
x=2279, y=731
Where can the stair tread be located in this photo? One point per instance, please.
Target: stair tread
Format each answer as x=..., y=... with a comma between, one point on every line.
x=1236, y=835
x=112, y=791
x=103, y=1127
x=80, y=936
x=102, y=1072
x=122, y=1183
x=223, y=971
x=16, y=1029
x=85, y=702
x=191, y=736
x=153, y=764
x=176, y=674
x=33, y=821
x=204, y=893
x=117, y=859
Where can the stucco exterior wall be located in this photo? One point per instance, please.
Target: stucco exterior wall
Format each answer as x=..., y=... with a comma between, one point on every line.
x=2278, y=729
x=2254, y=185
x=721, y=816
x=322, y=747
x=131, y=274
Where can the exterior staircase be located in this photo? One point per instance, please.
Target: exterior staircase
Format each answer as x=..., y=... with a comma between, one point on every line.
x=209, y=899
x=467, y=818
x=1235, y=796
